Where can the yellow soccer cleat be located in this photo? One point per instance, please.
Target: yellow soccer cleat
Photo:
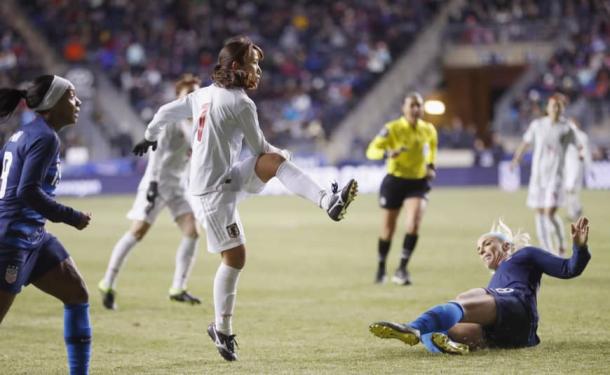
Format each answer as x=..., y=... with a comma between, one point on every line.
x=389, y=330
x=446, y=345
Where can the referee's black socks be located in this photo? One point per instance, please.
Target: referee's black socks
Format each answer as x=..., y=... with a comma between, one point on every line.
x=383, y=248
x=408, y=247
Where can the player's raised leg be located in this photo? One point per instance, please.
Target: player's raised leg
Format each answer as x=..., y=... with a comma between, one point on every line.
x=334, y=201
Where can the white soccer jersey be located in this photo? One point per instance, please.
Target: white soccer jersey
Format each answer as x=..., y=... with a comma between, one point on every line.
x=550, y=142
x=167, y=165
x=221, y=118
x=577, y=161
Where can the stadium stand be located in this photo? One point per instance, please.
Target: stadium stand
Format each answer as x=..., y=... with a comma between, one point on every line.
x=320, y=56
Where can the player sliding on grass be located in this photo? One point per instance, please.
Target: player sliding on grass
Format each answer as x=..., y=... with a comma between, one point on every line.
x=161, y=186
x=223, y=117
x=503, y=315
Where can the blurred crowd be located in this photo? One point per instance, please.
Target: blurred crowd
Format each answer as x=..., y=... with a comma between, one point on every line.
x=320, y=57
x=17, y=65
x=579, y=69
x=497, y=21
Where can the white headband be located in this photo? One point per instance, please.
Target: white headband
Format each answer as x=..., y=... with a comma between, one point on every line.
x=55, y=92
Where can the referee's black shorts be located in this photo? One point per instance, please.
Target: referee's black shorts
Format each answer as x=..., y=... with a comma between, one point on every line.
x=394, y=190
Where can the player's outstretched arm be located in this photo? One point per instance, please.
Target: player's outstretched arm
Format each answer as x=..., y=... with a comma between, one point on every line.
x=519, y=154
x=142, y=147
x=175, y=111
x=566, y=268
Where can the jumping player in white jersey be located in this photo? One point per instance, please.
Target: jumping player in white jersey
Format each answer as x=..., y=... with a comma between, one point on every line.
x=578, y=163
x=223, y=116
x=551, y=135
x=162, y=186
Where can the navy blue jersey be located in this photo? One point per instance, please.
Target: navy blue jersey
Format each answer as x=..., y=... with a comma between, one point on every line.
x=29, y=173
x=522, y=272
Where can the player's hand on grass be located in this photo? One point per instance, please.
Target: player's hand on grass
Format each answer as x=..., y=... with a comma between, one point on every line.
x=153, y=192
x=84, y=222
x=580, y=232
x=142, y=147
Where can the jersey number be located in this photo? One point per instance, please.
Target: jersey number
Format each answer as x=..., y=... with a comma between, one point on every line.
x=201, y=124
x=7, y=160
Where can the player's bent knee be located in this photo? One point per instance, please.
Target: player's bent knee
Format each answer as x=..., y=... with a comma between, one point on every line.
x=267, y=165
x=139, y=231
x=78, y=293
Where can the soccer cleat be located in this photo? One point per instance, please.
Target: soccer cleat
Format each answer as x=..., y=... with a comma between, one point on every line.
x=389, y=330
x=224, y=343
x=183, y=296
x=108, y=296
x=401, y=277
x=380, y=276
x=340, y=200
x=446, y=345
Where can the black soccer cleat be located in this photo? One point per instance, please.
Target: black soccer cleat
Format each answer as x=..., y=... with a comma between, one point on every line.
x=224, y=343
x=108, y=296
x=380, y=276
x=185, y=297
x=340, y=200
x=389, y=330
x=401, y=277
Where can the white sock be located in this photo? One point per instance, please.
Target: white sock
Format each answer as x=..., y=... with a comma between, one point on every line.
x=557, y=224
x=185, y=259
x=225, y=292
x=119, y=253
x=298, y=182
x=543, y=231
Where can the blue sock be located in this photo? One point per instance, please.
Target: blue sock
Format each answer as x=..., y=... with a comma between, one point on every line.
x=439, y=318
x=77, y=335
x=426, y=339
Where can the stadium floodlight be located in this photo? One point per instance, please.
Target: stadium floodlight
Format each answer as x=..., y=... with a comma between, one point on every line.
x=434, y=107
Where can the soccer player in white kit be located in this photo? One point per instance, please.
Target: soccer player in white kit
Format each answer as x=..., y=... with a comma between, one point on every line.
x=223, y=116
x=578, y=163
x=550, y=135
x=162, y=186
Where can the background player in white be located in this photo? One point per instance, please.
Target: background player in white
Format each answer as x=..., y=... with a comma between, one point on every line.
x=578, y=163
x=224, y=116
x=550, y=135
x=162, y=186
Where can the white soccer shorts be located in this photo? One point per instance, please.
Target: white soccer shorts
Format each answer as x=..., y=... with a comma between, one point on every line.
x=142, y=210
x=550, y=195
x=217, y=211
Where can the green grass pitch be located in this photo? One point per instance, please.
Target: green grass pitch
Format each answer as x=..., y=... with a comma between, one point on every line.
x=306, y=296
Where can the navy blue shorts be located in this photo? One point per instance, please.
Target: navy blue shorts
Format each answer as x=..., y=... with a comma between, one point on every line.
x=21, y=267
x=394, y=190
x=514, y=327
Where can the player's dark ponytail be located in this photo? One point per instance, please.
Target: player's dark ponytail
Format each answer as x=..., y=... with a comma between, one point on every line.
x=10, y=98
